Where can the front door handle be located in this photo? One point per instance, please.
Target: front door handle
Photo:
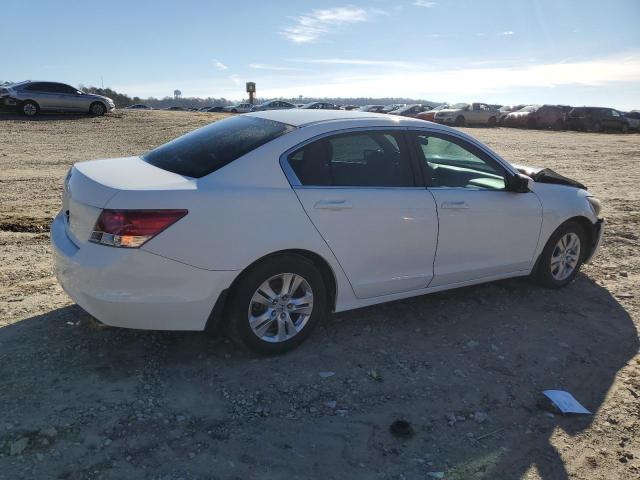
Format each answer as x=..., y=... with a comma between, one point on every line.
x=333, y=205
x=455, y=205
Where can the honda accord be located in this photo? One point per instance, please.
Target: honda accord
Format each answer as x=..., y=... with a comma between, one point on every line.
x=261, y=224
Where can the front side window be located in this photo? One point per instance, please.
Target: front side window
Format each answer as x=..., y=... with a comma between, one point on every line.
x=363, y=159
x=451, y=163
x=209, y=148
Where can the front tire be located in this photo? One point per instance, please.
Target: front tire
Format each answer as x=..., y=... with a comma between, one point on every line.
x=492, y=122
x=97, y=109
x=276, y=304
x=460, y=121
x=562, y=257
x=597, y=127
x=30, y=108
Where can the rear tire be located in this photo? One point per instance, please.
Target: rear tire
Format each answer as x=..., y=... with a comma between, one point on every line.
x=97, y=109
x=562, y=257
x=262, y=311
x=30, y=108
x=596, y=127
x=625, y=128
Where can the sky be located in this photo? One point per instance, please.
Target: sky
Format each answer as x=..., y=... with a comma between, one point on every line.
x=581, y=52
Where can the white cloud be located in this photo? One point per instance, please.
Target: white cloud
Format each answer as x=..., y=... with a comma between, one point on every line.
x=508, y=32
x=424, y=4
x=455, y=82
x=275, y=68
x=219, y=65
x=361, y=62
x=235, y=79
x=310, y=27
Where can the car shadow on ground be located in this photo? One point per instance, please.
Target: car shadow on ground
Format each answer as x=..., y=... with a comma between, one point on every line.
x=441, y=361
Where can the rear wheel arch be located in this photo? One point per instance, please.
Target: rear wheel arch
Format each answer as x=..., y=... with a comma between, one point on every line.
x=29, y=101
x=331, y=285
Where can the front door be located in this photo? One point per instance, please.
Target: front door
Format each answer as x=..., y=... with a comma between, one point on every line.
x=360, y=191
x=485, y=230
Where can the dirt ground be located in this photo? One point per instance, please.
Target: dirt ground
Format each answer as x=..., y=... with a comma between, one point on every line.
x=465, y=367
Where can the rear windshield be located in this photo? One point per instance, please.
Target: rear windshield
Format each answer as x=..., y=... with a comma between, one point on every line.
x=209, y=148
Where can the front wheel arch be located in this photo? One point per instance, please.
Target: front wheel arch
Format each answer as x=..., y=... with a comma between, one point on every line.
x=588, y=228
x=98, y=102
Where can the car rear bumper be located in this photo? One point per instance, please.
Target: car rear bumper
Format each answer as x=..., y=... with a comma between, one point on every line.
x=133, y=288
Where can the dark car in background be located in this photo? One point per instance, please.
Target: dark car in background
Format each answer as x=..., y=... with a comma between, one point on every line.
x=596, y=119
x=633, y=118
x=411, y=110
x=536, y=116
x=138, y=106
x=372, y=108
x=273, y=105
x=393, y=107
x=320, y=106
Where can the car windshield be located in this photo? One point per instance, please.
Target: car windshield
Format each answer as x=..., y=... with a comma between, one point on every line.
x=439, y=107
x=207, y=149
x=459, y=106
x=530, y=108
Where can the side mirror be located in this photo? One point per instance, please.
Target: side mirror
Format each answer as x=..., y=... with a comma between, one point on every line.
x=520, y=183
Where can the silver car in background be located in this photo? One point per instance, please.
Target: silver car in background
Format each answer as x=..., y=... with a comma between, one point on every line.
x=31, y=98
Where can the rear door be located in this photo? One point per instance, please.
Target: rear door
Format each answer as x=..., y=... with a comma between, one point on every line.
x=484, y=230
x=46, y=95
x=360, y=191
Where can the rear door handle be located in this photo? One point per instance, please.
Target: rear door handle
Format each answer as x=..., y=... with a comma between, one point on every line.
x=457, y=205
x=332, y=205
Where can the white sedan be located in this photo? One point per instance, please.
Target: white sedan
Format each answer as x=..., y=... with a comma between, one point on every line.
x=265, y=222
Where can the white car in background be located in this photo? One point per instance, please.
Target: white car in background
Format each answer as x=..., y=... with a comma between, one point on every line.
x=239, y=108
x=462, y=114
x=263, y=223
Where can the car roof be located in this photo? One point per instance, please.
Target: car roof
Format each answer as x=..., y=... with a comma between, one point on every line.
x=302, y=117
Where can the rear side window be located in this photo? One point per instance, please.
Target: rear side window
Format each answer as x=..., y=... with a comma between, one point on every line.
x=363, y=159
x=207, y=149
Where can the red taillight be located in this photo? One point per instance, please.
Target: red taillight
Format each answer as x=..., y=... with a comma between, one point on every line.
x=132, y=228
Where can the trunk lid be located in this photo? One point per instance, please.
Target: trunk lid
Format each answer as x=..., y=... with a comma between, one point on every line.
x=90, y=186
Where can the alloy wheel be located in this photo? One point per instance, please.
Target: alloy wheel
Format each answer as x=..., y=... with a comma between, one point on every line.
x=29, y=109
x=565, y=256
x=97, y=109
x=281, y=307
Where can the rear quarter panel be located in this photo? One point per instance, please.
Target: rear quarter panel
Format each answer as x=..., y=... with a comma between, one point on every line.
x=237, y=215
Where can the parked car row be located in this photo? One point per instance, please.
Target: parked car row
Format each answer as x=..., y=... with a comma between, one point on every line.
x=556, y=117
x=31, y=98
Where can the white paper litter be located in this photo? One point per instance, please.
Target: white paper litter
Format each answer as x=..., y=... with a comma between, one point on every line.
x=565, y=402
